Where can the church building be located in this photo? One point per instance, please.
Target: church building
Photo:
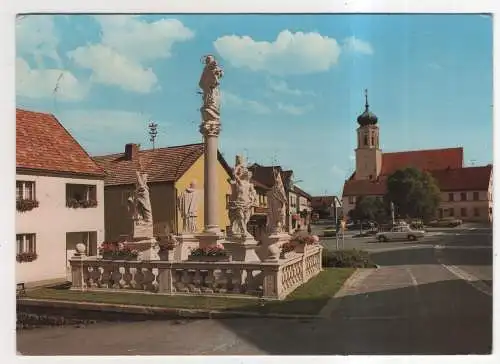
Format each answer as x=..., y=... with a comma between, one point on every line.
x=466, y=192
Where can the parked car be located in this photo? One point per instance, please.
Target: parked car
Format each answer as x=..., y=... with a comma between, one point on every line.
x=402, y=232
x=446, y=222
x=330, y=231
x=366, y=225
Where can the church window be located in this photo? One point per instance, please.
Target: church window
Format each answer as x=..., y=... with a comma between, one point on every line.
x=365, y=140
x=373, y=140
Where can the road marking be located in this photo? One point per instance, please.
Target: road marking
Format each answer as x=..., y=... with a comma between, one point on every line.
x=421, y=308
x=469, y=278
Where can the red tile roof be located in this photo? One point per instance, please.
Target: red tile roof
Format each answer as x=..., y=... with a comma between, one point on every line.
x=161, y=164
x=42, y=143
x=459, y=179
x=299, y=191
x=429, y=160
x=319, y=202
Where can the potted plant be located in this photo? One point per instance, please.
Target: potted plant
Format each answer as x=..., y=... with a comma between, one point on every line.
x=210, y=254
x=301, y=242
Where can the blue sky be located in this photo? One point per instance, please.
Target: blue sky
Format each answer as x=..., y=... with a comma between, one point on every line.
x=292, y=90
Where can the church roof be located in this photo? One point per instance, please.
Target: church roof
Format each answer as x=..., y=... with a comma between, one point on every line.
x=367, y=117
x=429, y=160
x=458, y=179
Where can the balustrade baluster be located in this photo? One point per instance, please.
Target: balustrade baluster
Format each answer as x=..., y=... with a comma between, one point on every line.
x=154, y=284
x=133, y=272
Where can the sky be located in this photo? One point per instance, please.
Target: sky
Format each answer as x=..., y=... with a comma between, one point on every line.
x=292, y=89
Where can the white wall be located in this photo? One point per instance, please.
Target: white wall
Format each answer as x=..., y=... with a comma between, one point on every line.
x=51, y=221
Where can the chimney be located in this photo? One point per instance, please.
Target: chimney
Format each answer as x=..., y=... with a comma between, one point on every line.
x=131, y=151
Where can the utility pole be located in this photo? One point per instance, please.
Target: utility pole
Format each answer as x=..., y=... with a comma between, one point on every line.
x=153, y=132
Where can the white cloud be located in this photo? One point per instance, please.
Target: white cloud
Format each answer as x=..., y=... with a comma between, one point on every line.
x=127, y=45
x=293, y=109
x=140, y=40
x=281, y=86
x=44, y=83
x=36, y=36
x=112, y=68
x=235, y=101
x=290, y=53
x=357, y=45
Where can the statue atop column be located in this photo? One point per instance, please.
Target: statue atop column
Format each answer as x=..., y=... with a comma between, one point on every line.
x=242, y=200
x=209, y=85
x=188, y=207
x=277, y=200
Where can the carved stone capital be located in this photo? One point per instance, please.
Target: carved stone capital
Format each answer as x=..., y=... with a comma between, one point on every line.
x=210, y=128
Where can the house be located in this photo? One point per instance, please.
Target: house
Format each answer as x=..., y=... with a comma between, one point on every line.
x=466, y=192
x=304, y=206
x=59, y=198
x=257, y=225
x=324, y=206
x=170, y=171
x=264, y=174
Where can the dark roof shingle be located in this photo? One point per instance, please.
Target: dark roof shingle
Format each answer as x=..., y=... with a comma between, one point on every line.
x=42, y=143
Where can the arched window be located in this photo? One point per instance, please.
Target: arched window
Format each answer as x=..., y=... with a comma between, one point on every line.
x=365, y=140
x=373, y=140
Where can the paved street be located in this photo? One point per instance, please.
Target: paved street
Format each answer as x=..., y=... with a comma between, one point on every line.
x=429, y=297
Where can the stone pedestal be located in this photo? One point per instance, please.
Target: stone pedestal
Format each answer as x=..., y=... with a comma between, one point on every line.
x=270, y=249
x=206, y=239
x=142, y=231
x=148, y=248
x=242, y=249
x=186, y=243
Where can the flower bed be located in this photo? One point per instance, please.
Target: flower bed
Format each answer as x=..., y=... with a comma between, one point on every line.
x=75, y=204
x=117, y=251
x=26, y=205
x=26, y=257
x=287, y=247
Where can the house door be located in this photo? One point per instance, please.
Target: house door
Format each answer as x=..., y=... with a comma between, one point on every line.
x=89, y=238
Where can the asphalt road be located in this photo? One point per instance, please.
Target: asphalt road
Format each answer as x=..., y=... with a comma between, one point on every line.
x=429, y=297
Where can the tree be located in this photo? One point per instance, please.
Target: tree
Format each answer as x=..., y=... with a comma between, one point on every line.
x=415, y=194
x=369, y=208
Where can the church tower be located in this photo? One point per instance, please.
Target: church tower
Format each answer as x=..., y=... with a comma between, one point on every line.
x=368, y=153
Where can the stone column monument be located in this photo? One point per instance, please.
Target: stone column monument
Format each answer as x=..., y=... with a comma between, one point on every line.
x=210, y=129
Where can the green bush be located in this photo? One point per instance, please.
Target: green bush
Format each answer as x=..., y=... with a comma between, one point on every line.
x=351, y=258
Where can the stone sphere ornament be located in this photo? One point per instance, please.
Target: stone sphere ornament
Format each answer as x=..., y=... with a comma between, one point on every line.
x=81, y=248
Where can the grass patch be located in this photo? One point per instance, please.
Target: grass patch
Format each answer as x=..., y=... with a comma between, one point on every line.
x=307, y=299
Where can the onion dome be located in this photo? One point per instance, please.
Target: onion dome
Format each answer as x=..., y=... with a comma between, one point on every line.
x=367, y=118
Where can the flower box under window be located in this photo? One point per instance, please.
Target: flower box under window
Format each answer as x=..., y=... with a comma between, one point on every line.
x=25, y=196
x=26, y=248
x=81, y=196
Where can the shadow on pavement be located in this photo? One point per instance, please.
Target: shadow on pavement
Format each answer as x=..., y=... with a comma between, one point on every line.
x=447, y=317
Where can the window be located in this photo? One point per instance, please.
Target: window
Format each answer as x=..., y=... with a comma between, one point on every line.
x=26, y=243
x=25, y=190
x=451, y=212
x=351, y=199
x=450, y=196
x=476, y=211
x=365, y=140
x=373, y=141
x=463, y=211
x=80, y=195
x=463, y=196
x=475, y=196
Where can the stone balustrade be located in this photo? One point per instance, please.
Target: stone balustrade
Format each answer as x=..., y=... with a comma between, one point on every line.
x=269, y=280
